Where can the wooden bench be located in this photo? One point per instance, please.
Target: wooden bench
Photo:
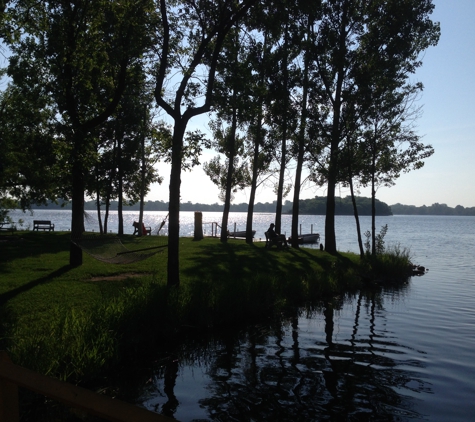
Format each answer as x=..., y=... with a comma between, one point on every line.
x=42, y=225
x=145, y=230
x=277, y=241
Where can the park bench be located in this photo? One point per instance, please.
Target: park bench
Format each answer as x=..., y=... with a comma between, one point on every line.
x=5, y=226
x=42, y=225
x=274, y=241
x=145, y=230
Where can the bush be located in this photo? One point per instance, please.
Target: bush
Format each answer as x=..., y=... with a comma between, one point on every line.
x=390, y=266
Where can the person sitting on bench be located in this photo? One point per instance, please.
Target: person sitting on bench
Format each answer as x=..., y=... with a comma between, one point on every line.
x=145, y=230
x=275, y=237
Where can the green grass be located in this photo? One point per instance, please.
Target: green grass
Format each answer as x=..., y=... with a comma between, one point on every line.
x=76, y=323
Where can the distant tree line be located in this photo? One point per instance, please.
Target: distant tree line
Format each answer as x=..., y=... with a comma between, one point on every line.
x=434, y=209
x=163, y=206
x=314, y=206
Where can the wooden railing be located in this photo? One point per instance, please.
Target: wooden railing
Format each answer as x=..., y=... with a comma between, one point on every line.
x=13, y=376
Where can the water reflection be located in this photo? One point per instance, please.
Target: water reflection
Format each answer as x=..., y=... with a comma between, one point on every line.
x=338, y=361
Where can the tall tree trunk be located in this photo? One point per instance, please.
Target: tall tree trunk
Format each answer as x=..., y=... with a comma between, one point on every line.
x=373, y=204
x=357, y=218
x=98, y=204
x=230, y=172
x=258, y=140
x=120, y=176
x=99, y=217
x=330, y=238
x=174, y=204
x=298, y=183
x=77, y=196
x=142, y=184
x=301, y=150
x=280, y=188
x=255, y=173
x=250, y=208
x=231, y=147
x=106, y=213
x=113, y=174
x=350, y=154
x=333, y=168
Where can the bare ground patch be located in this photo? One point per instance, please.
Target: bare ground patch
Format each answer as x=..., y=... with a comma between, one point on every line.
x=118, y=277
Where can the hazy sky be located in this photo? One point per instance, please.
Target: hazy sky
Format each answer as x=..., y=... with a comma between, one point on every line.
x=447, y=123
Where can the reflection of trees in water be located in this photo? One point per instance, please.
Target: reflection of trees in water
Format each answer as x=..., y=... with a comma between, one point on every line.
x=171, y=372
x=356, y=378
x=352, y=368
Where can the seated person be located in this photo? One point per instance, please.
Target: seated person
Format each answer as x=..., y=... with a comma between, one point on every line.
x=136, y=227
x=275, y=236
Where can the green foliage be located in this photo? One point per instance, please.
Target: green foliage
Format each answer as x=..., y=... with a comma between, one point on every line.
x=69, y=65
x=380, y=247
x=27, y=135
x=379, y=239
x=218, y=173
x=6, y=204
x=392, y=266
x=127, y=143
x=363, y=55
x=367, y=243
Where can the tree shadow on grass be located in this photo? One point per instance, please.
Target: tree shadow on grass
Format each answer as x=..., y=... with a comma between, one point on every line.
x=5, y=297
x=235, y=283
x=227, y=261
x=30, y=244
x=224, y=260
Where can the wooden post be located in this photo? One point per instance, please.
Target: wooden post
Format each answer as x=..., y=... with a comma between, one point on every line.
x=9, y=407
x=198, y=225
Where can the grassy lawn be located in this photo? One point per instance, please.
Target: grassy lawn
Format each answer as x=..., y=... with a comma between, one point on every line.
x=74, y=323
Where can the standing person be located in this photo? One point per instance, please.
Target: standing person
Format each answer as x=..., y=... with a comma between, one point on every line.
x=273, y=236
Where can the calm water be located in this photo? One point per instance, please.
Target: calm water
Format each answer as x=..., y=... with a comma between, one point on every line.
x=395, y=354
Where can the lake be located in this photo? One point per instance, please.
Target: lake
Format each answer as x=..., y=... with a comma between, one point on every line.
x=394, y=354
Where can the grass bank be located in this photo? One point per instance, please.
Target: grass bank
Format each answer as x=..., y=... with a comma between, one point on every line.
x=77, y=323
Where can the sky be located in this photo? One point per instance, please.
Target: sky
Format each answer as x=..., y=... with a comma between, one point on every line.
x=447, y=123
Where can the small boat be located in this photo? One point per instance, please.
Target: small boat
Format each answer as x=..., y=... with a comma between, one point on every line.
x=241, y=233
x=307, y=238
